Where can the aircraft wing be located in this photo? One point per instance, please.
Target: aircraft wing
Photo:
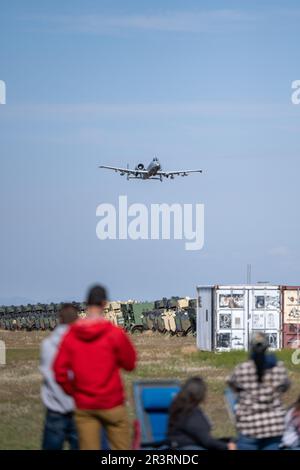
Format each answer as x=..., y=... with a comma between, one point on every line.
x=177, y=173
x=123, y=171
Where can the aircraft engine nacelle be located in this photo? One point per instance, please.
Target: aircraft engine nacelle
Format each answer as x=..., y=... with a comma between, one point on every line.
x=140, y=166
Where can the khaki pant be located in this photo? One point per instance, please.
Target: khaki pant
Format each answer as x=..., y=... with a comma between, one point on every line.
x=115, y=422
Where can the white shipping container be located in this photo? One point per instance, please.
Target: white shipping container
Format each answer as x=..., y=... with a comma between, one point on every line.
x=228, y=315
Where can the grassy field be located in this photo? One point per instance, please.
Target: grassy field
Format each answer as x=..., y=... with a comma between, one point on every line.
x=159, y=357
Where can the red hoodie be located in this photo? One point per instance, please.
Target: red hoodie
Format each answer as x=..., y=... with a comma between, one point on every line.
x=93, y=352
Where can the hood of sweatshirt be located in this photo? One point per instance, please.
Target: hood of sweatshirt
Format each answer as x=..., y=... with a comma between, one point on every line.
x=90, y=329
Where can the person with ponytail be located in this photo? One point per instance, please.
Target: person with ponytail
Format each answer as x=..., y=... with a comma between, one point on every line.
x=258, y=384
x=188, y=427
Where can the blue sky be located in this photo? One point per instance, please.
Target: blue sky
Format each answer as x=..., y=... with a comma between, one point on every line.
x=110, y=82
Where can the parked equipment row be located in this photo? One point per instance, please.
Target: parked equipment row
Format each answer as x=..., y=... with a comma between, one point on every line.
x=173, y=316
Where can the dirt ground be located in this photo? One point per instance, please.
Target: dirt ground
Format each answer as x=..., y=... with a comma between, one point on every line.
x=160, y=356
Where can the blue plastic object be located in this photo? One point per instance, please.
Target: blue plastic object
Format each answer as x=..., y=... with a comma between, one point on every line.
x=152, y=402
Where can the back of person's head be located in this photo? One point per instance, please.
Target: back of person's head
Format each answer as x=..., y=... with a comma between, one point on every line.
x=68, y=314
x=97, y=297
x=259, y=342
x=258, y=347
x=192, y=393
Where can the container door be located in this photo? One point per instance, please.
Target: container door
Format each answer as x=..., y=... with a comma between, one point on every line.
x=291, y=317
x=264, y=314
x=231, y=319
x=204, y=323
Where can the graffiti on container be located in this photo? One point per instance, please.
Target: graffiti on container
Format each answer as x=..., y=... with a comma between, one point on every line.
x=259, y=301
x=231, y=301
x=223, y=340
x=271, y=322
x=291, y=306
x=225, y=321
x=294, y=313
x=237, y=341
x=266, y=302
x=272, y=340
x=258, y=321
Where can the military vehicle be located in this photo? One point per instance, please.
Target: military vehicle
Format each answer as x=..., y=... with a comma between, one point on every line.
x=159, y=324
x=168, y=316
x=114, y=314
x=133, y=314
x=192, y=312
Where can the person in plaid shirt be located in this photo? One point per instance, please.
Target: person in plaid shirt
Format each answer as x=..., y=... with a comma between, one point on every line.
x=258, y=384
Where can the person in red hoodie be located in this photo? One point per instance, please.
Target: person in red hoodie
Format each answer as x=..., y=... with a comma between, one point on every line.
x=87, y=367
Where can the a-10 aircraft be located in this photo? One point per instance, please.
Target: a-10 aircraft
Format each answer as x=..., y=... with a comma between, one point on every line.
x=153, y=171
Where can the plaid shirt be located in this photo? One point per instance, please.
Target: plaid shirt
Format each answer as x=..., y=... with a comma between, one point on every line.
x=259, y=411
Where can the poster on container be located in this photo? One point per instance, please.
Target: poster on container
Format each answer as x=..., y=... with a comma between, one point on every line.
x=258, y=321
x=265, y=320
x=230, y=320
x=273, y=338
x=223, y=340
x=237, y=340
x=291, y=306
x=237, y=319
x=225, y=321
x=269, y=301
x=231, y=301
x=272, y=321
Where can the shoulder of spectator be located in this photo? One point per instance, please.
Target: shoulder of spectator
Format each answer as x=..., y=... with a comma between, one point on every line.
x=44, y=345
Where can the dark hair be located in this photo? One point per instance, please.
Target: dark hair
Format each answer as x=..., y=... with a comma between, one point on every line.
x=97, y=296
x=259, y=346
x=190, y=396
x=68, y=314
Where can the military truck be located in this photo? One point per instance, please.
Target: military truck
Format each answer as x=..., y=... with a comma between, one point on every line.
x=160, y=304
x=169, y=318
x=192, y=312
x=133, y=314
x=149, y=319
x=114, y=314
x=183, y=324
x=2, y=317
x=172, y=302
x=158, y=321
